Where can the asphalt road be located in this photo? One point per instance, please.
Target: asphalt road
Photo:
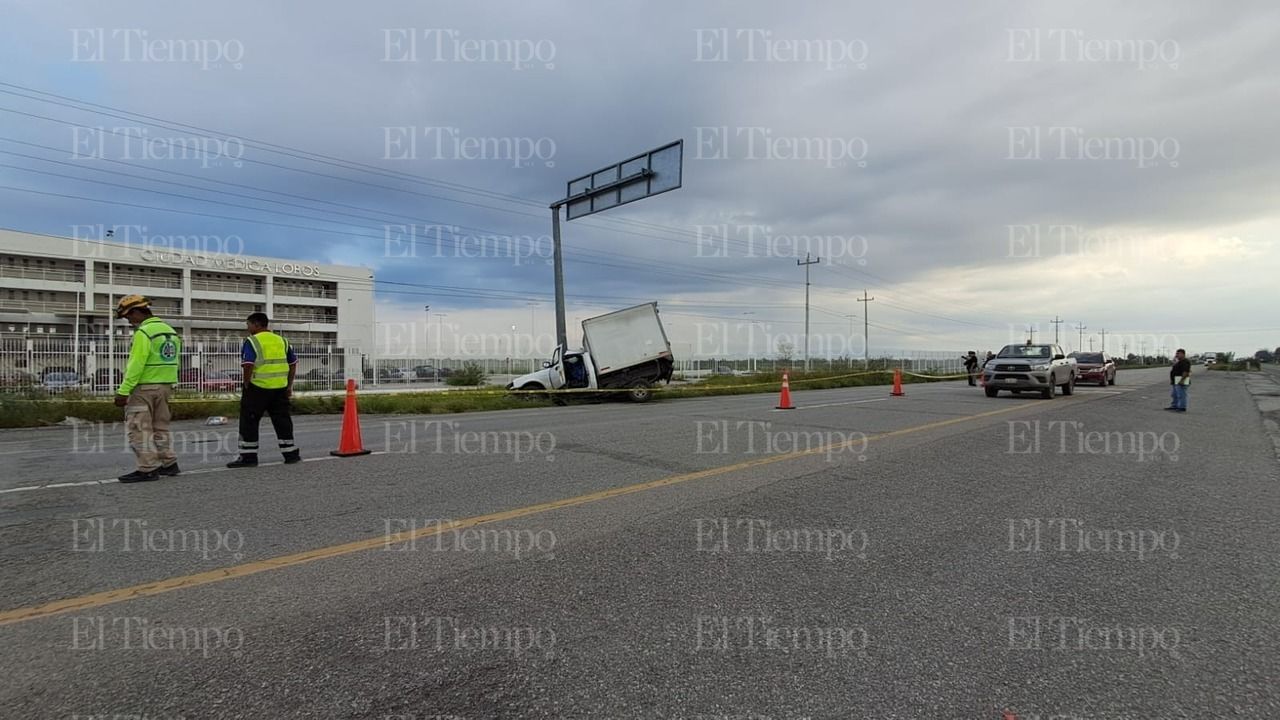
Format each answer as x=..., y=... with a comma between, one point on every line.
x=940, y=555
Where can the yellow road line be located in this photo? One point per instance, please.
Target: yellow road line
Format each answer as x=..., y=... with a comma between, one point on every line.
x=59, y=607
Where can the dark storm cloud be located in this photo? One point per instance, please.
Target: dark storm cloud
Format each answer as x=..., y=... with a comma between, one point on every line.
x=897, y=141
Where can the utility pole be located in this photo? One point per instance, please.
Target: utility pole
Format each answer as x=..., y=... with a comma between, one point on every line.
x=866, y=346
x=1090, y=343
x=426, y=329
x=806, y=263
x=851, y=317
x=1031, y=334
x=1081, y=327
x=1056, y=322
x=1104, y=339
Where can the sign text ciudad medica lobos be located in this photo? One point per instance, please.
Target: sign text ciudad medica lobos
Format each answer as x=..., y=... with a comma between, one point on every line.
x=232, y=262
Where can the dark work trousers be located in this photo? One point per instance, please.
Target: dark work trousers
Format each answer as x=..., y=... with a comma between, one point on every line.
x=254, y=403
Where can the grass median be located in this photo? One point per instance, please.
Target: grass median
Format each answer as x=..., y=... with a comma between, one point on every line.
x=19, y=411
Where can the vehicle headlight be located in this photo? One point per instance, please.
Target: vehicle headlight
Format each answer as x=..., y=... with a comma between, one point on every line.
x=1044, y=366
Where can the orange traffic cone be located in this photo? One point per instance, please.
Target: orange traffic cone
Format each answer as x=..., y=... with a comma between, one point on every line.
x=784, y=400
x=897, y=383
x=350, y=444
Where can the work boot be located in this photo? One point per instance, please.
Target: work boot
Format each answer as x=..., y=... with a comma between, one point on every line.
x=169, y=470
x=244, y=461
x=293, y=457
x=140, y=476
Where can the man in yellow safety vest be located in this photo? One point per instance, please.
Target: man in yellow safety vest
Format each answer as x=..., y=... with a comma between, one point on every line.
x=269, y=367
x=148, y=379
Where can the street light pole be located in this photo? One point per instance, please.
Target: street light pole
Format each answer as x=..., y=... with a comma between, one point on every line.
x=439, y=343
x=533, y=331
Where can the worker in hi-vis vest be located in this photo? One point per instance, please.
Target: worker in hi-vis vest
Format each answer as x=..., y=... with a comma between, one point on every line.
x=144, y=391
x=269, y=367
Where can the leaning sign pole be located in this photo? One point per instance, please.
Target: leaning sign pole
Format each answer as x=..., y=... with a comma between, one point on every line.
x=636, y=178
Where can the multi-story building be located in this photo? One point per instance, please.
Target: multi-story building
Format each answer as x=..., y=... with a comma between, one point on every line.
x=68, y=287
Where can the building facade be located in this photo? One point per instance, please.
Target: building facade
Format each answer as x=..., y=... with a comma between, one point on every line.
x=67, y=287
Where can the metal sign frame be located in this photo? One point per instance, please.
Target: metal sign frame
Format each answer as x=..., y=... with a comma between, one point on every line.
x=645, y=175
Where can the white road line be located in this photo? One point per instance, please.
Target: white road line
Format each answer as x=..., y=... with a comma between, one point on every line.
x=849, y=402
x=201, y=471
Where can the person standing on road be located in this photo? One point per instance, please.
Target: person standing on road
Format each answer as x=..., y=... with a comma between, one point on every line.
x=1179, y=381
x=971, y=365
x=269, y=368
x=149, y=377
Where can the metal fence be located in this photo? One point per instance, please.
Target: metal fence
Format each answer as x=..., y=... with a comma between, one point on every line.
x=94, y=365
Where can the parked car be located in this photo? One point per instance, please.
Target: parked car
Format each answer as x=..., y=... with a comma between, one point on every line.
x=55, y=369
x=208, y=380
x=384, y=374
x=429, y=372
x=16, y=379
x=723, y=370
x=218, y=381
x=1095, y=367
x=320, y=374
x=61, y=381
x=107, y=379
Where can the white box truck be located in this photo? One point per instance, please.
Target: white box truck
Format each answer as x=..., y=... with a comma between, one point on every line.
x=626, y=350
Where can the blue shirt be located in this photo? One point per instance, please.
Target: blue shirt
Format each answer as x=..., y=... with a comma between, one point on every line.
x=247, y=356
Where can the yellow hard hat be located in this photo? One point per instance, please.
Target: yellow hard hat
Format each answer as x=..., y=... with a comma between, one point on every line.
x=131, y=302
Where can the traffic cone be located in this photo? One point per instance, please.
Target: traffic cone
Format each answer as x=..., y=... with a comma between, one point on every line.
x=350, y=444
x=897, y=383
x=784, y=400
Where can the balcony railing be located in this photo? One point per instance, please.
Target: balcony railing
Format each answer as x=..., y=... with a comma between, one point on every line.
x=305, y=317
x=307, y=292
x=226, y=286
x=37, y=306
x=119, y=278
x=37, y=273
x=221, y=313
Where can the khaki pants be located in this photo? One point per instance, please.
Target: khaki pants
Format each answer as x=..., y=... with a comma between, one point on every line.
x=146, y=418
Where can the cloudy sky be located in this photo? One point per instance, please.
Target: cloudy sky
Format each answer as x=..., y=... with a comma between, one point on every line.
x=977, y=168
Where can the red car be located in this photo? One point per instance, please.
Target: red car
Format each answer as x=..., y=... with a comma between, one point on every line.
x=208, y=380
x=1095, y=367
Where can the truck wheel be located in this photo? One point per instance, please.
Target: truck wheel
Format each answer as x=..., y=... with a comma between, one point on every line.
x=1069, y=386
x=1047, y=393
x=992, y=392
x=1112, y=381
x=531, y=391
x=639, y=392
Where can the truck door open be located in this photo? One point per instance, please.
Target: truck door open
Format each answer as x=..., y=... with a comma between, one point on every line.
x=575, y=371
